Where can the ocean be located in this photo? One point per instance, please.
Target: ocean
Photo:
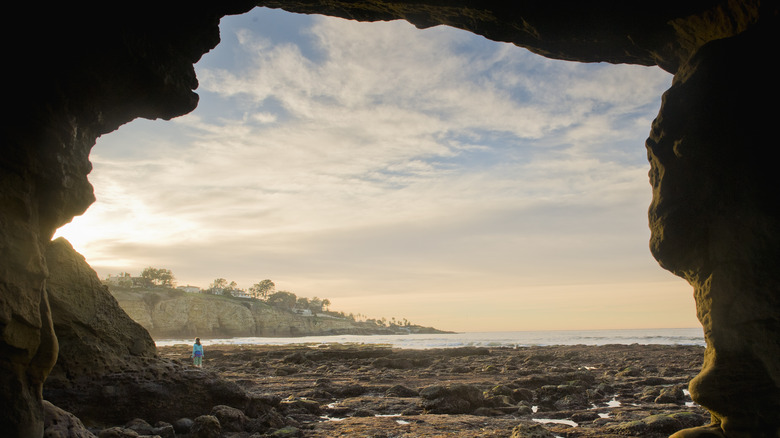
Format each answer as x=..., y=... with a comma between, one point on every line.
x=666, y=336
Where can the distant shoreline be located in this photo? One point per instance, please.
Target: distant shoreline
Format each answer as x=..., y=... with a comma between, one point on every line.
x=442, y=339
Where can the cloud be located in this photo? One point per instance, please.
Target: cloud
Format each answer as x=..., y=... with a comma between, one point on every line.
x=347, y=153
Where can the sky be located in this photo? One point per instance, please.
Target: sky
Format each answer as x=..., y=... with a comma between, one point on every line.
x=431, y=175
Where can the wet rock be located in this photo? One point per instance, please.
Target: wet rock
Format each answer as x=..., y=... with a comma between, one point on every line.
x=562, y=397
x=400, y=391
x=140, y=426
x=287, y=432
x=317, y=394
x=183, y=425
x=205, y=426
x=394, y=363
x=454, y=399
x=300, y=406
x=270, y=420
x=117, y=432
x=488, y=412
x=673, y=394
x=285, y=371
x=655, y=425
x=630, y=371
x=522, y=395
x=531, y=430
x=230, y=419
x=584, y=417
x=363, y=413
x=352, y=390
x=296, y=358
x=164, y=430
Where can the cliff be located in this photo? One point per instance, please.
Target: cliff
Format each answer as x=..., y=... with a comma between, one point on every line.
x=167, y=313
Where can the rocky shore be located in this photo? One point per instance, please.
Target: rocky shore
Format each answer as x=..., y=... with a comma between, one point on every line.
x=375, y=391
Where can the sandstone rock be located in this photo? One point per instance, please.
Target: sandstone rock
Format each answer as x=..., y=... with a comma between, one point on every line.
x=95, y=335
x=174, y=314
x=713, y=219
x=58, y=423
x=107, y=372
x=717, y=228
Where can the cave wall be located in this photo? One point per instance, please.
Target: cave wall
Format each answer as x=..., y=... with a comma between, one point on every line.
x=79, y=70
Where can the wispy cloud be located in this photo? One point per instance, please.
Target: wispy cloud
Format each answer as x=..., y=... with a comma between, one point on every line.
x=352, y=152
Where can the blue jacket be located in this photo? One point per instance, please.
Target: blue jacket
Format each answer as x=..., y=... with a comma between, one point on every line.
x=197, y=348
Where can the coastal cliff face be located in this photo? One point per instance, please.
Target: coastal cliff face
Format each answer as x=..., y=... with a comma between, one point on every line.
x=714, y=216
x=168, y=314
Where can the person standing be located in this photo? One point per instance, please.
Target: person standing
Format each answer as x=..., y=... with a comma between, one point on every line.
x=197, y=353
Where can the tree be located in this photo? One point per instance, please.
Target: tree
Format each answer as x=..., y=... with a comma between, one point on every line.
x=303, y=303
x=283, y=299
x=218, y=285
x=325, y=304
x=157, y=277
x=315, y=305
x=262, y=289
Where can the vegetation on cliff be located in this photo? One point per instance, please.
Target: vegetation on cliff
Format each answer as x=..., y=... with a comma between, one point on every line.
x=224, y=310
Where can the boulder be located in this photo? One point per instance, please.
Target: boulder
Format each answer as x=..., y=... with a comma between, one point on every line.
x=183, y=425
x=230, y=419
x=531, y=430
x=95, y=335
x=58, y=423
x=400, y=391
x=453, y=399
x=206, y=426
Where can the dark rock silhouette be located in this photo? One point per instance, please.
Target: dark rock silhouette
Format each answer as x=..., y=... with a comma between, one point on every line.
x=108, y=371
x=95, y=335
x=714, y=216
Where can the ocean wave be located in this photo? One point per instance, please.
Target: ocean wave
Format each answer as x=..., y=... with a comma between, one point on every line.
x=683, y=336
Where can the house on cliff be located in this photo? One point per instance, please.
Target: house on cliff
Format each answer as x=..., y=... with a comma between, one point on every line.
x=124, y=279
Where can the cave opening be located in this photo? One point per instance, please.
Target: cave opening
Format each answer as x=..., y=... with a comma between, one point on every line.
x=397, y=172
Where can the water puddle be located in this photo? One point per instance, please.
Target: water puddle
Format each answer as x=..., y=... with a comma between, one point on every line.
x=555, y=421
x=614, y=403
